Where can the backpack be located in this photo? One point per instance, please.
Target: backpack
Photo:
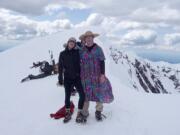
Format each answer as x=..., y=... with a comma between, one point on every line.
x=62, y=111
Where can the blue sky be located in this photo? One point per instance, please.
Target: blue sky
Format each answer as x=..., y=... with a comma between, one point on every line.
x=75, y=16
x=147, y=25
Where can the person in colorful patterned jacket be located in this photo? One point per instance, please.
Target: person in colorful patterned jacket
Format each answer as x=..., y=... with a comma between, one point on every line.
x=95, y=83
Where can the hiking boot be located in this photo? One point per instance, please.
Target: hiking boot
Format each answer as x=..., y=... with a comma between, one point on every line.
x=98, y=115
x=80, y=118
x=25, y=79
x=67, y=116
x=30, y=76
x=86, y=115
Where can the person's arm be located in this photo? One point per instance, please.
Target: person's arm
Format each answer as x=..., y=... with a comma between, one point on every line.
x=79, y=61
x=60, y=69
x=102, y=71
x=48, y=68
x=102, y=67
x=102, y=61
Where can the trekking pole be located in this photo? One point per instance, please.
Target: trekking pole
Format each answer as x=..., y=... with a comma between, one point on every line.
x=51, y=56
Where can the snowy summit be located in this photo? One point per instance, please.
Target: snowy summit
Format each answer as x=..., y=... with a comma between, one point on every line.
x=146, y=93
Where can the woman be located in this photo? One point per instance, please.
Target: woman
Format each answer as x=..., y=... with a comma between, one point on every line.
x=69, y=65
x=96, y=86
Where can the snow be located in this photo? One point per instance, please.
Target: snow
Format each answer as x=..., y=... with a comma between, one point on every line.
x=25, y=108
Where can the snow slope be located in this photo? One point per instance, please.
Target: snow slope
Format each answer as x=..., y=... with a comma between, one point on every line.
x=25, y=108
x=143, y=75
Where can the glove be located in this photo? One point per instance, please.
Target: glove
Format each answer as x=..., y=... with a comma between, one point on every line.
x=58, y=84
x=60, y=78
x=61, y=82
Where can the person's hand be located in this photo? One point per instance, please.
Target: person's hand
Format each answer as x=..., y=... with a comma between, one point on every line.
x=59, y=84
x=60, y=81
x=102, y=78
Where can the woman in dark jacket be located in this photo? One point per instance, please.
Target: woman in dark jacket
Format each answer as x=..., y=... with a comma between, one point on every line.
x=69, y=75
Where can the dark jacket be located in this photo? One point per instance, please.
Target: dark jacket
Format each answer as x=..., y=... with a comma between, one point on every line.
x=69, y=64
x=46, y=67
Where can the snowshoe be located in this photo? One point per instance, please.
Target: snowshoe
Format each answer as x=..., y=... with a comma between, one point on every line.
x=98, y=115
x=86, y=115
x=81, y=118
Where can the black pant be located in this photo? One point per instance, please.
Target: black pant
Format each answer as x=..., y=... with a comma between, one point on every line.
x=68, y=84
x=31, y=77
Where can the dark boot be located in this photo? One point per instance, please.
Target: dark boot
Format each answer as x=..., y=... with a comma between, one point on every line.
x=25, y=79
x=86, y=115
x=98, y=115
x=30, y=76
x=80, y=118
x=67, y=116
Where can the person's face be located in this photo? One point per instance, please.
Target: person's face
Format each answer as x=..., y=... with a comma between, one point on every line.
x=89, y=40
x=71, y=45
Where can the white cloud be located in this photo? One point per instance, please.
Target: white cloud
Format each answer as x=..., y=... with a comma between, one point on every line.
x=129, y=25
x=51, y=8
x=155, y=9
x=172, y=39
x=34, y=7
x=139, y=37
x=94, y=19
x=72, y=5
x=147, y=11
x=14, y=26
x=124, y=32
x=164, y=14
x=110, y=23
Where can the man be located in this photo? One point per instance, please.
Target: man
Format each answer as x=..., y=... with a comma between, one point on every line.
x=96, y=86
